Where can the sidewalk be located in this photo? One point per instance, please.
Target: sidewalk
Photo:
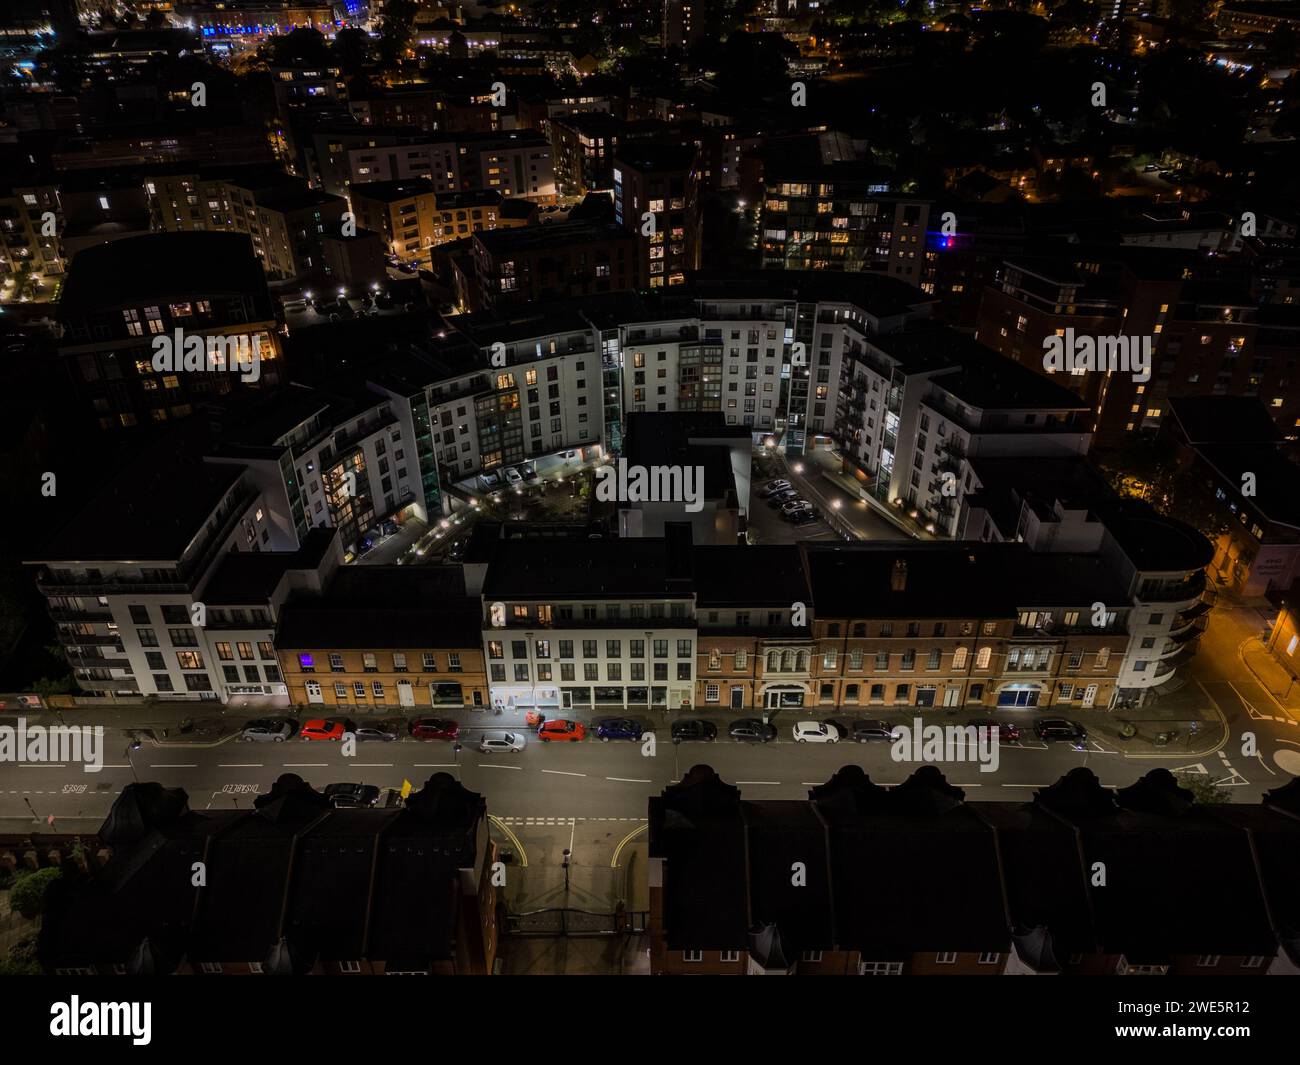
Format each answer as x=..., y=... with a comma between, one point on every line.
x=1271, y=675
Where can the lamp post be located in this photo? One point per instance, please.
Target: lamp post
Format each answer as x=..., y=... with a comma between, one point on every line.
x=567, y=854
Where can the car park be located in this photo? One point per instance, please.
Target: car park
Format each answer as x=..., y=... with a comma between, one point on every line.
x=693, y=730
x=514, y=477
x=617, y=728
x=1008, y=732
x=352, y=796
x=434, y=728
x=267, y=730
x=870, y=731
x=1059, y=728
x=751, y=730
x=498, y=741
x=561, y=731
x=815, y=732
x=319, y=728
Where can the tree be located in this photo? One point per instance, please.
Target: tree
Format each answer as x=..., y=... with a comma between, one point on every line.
x=303, y=47
x=351, y=50
x=21, y=960
x=28, y=893
x=1207, y=792
x=399, y=22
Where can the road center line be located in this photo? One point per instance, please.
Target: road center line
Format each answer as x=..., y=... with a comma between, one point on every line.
x=306, y=765
x=239, y=765
x=562, y=773
x=176, y=765
x=758, y=782
x=491, y=765
x=629, y=780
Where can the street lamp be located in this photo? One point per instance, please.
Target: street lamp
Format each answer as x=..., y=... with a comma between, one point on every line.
x=567, y=853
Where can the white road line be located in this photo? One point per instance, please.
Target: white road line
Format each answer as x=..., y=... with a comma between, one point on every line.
x=628, y=780
x=493, y=765
x=305, y=765
x=1024, y=785
x=176, y=765
x=239, y=765
x=44, y=765
x=562, y=773
x=373, y=765
x=434, y=765
x=122, y=766
x=758, y=782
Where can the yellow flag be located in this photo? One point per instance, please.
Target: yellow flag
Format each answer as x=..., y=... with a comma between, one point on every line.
x=406, y=789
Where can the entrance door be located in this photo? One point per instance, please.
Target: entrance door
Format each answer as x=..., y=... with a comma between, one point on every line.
x=950, y=695
x=1089, y=695
x=737, y=698
x=405, y=693
x=566, y=698
x=313, y=692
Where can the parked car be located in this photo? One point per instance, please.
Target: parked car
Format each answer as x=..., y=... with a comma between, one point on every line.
x=267, y=730
x=617, y=728
x=561, y=730
x=694, y=730
x=1007, y=732
x=529, y=471
x=751, y=730
x=795, y=506
x=815, y=732
x=777, y=499
x=389, y=528
x=806, y=516
x=773, y=487
x=319, y=728
x=366, y=544
x=1059, y=728
x=375, y=730
x=434, y=728
x=514, y=477
x=865, y=731
x=489, y=480
x=495, y=741
x=352, y=796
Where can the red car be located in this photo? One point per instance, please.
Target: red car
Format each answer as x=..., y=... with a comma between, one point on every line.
x=1007, y=732
x=434, y=728
x=560, y=730
x=320, y=729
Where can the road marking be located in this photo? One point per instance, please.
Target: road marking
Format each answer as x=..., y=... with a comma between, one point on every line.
x=176, y=765
x=628, y=780
x=122, y=766
x=305, y=765
x=1197, y=768
x=758, y=782
x=373, y=765
x=43, y=765
x=613, y=862
x=494, y=765
x=434, y=765
x=519, y=847
x=562, y=773
x=239, y=765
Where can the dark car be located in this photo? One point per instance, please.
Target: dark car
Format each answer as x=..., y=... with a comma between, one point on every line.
x=352, y=796
x=808, y=516
x=434, y=728
x=1007, y=732
x=777, y=499
x=694, y=730
x=376, y=730
x=751, y=730
x=529, y=471
x=617, y=728
x=1059, y=728
x=870, y=731
x=365, y=545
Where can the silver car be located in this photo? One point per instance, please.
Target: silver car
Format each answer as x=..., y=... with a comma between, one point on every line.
x=496, y=740
x=267, y=730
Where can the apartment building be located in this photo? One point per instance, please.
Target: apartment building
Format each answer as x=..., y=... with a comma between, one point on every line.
x=656, y=187
x=214, y=288
x=511, y=162
x=384, y=638
x=296, y=887
x=583, y=146
x=342, y=457
x=182, y=605
x=948, y=628
x=985, y=889
x=1157, y=586
x=575, y=623
x=917, y=406
x=839, y=216
x=405, y=213
x=1201, y=321
x=561, y=260
x=28, y=253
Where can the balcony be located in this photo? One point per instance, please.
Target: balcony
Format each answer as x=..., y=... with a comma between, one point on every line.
x=1187, y=591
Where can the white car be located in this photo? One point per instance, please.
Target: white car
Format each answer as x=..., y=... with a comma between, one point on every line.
x=514, y=477
x=489, y=480
x=795, y=505
x=815, y=732
x=498, y=740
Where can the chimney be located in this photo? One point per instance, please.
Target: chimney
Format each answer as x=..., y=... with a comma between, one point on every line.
x=898, y=578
